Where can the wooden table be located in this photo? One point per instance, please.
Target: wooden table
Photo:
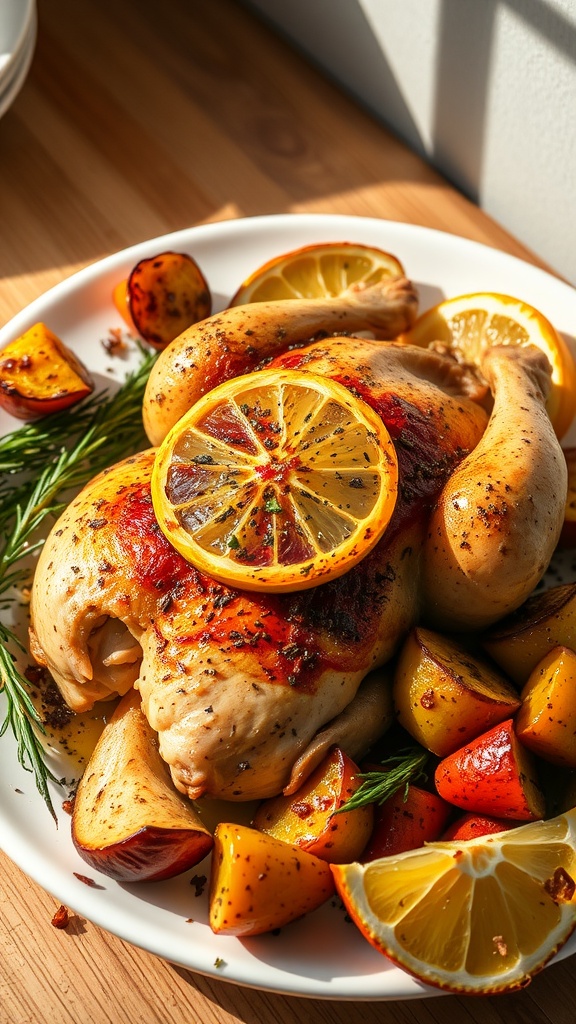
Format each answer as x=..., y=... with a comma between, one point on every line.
x=140, y=118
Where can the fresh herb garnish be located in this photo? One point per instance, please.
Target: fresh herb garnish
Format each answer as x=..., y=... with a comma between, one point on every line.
x=31, y=445
x=272, y=505
x=396, y=773
x=67, y=451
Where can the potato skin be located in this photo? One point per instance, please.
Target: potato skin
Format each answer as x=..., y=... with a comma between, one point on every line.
x=39, y=375
x=522, y=639
x=128, y=820
x=406, y=821
x=260, y=883
x=163, y=296
x=546, y=721
x=444, y=696
x=493, y=774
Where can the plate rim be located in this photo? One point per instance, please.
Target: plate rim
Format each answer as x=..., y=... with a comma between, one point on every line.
x=11, y=84
x=21, y=21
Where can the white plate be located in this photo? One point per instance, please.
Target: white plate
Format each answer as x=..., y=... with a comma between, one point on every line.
x=322, y=955
x=17, y=69
x=16, y=21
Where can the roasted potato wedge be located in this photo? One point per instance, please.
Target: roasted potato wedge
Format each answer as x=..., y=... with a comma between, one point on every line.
x=39, y=375
x=522, y=639
x=309, y=820
x=546, y=721
x=128, y=820
x=260, y=883
x=162, y=296
x=444, y=696
x=494, y=774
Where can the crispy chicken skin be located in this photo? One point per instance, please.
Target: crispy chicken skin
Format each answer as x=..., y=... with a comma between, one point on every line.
x=496, y=524
x=246, y=690
x=238, y=339
x=239, y=684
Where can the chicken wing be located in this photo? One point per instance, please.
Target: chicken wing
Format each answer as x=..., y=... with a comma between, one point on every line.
x=240, y=338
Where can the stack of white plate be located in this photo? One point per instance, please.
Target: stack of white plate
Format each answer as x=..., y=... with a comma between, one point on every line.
x=17, y=41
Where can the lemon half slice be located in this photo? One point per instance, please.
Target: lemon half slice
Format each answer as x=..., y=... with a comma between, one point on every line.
x=480, y=916
x=469, y=324
x=277, y=480
x=318, y=271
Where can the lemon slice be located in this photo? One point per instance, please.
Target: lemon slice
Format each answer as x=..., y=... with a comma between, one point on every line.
x=469, y=324
x=277, y=480
x=480, y=916
x=318, y=271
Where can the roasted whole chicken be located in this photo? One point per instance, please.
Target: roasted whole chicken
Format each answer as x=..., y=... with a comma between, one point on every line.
x=246, y=691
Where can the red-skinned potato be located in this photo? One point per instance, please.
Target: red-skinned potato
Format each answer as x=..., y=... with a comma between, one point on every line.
x=162, y=296
x=39, y=375
x=568, y=534
x=493, y=774
x=128, y=820
x=472, y=826
x=308, y=818
x=406, y=821
x=259, y=883
x=546, y=721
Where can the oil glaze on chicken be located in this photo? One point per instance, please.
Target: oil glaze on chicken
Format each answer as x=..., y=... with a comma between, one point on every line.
x=247, y=690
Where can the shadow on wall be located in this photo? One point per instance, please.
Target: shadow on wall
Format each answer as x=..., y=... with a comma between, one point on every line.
x=463, y=113
x=482, y=89
x=338, y=36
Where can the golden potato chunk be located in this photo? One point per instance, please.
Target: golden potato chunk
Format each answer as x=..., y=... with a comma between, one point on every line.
x=546, y=721
x=260, y=883
x=444, y=697
x=309, y=817
x=522, y=639
x=39, y=375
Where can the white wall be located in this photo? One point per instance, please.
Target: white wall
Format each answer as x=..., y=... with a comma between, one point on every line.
x=485, y=89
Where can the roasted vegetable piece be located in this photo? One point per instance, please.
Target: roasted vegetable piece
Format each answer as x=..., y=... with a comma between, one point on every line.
x=162, y=296
x=493, y=774
x=259, y=883
x=39, y=375
x=568, y=534
x=522, y=639
x=546, y=721
x=406, y=821
x=471, y=826
x=308, y=818
x=444, y=696
x=128, y=820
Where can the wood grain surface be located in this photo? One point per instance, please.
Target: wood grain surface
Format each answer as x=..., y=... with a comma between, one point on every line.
x=139, y=118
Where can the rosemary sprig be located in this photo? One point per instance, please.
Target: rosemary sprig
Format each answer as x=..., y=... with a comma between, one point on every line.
x=23, y=719
x=397, y=772
x=28, y=447
x=71, y=450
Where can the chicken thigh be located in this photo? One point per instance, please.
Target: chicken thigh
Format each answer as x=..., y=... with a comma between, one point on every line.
x=239, y=685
